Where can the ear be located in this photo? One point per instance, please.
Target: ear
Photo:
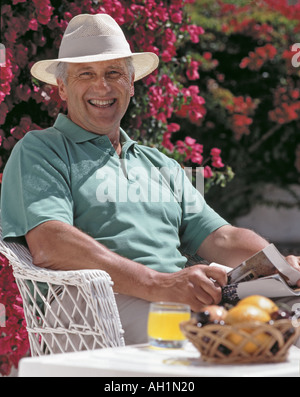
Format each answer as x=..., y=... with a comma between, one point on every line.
x=62, y=89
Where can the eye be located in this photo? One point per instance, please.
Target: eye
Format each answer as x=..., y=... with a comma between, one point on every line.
x=113, y=74
x=86, y=75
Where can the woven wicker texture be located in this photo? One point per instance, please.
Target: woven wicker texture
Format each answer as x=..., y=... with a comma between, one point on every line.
x=253, y=342
x=64, y=310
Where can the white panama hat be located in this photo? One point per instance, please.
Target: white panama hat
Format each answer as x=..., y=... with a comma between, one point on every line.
x=91, y=38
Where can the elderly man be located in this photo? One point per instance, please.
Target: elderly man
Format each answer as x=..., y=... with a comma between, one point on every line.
x=79, y=191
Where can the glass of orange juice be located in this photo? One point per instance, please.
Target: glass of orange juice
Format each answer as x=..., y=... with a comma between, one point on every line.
x=164, y=324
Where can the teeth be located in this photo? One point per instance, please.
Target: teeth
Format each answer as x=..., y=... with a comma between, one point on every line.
x=100, y=103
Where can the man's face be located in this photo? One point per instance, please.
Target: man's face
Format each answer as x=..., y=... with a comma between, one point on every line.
x=97, y=94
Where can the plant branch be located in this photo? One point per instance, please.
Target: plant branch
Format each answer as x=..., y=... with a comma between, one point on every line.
x=266, y=136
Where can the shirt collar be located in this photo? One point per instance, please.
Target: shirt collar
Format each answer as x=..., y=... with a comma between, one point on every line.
x=79, y=135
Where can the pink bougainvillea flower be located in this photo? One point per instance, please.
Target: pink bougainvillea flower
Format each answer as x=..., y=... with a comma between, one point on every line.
x=192, y=71
x=216, y=158
x=33, y=24
x=207, y=172
x=14, y=342
x=189, y=141
x=173, y=127
x=194, y=31
x=166, y=142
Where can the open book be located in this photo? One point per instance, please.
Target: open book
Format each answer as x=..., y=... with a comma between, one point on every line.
x=266, y=273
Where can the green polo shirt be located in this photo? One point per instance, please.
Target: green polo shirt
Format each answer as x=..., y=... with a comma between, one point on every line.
x=141, y=206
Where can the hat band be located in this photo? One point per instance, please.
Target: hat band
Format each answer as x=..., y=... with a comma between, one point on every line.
x=95, y=45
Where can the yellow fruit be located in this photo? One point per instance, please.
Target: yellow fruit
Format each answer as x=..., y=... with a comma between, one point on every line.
x=250, y=347
x=262, y=302
x=243, y=313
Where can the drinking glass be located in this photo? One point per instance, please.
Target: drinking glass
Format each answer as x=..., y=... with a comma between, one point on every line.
x=164, y=324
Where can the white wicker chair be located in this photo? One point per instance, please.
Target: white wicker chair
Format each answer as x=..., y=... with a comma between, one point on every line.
x=78, y=311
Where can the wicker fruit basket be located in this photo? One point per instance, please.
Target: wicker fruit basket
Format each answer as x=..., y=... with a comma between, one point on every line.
x=254, y=342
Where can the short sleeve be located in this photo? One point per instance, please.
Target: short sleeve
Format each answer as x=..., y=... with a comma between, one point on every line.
x=35, y=187
x=198, y=218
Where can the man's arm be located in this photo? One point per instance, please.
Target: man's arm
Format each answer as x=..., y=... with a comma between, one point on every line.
x=231, y=245
x=59, y=246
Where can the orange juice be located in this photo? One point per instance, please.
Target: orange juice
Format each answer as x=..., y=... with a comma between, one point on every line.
x=165, y=325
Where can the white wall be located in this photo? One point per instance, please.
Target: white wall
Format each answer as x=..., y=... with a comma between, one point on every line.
x=280, y=225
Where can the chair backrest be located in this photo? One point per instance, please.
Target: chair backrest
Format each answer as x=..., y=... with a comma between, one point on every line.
x=64, y=310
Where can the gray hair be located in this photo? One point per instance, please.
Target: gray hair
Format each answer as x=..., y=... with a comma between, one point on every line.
x=61, y=72
x=61, y=69
x=130, y=66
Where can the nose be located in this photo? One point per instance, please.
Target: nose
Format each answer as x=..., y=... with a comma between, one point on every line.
x=102, y=84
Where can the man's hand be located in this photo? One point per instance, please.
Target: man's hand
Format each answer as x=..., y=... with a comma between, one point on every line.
x=197, y=286
x=294, y=261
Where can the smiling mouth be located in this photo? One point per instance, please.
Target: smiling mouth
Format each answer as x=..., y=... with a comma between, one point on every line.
x=102, y=104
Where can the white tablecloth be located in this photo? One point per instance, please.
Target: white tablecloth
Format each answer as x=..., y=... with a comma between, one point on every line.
x=144, y=361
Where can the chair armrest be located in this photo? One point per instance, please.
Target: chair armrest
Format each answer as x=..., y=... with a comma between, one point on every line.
x=69, y=277
x=93, y=321
x=21, y=261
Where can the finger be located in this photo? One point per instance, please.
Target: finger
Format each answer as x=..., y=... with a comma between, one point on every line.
x=203, y=298
x=208, y=291
x=218, y=274
x=294, y=261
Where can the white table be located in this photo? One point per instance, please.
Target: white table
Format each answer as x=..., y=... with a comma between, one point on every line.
x=144, y=361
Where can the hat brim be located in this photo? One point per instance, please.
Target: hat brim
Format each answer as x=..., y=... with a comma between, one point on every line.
x=144, y=63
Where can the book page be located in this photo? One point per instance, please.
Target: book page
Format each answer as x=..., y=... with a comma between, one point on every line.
x=257, y=266
x=264, y=263
x=289, y=273
x=271, y=286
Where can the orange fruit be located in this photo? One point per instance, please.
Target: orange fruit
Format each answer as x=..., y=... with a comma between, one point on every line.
x=243, y=313
x=262, y=302
x=250, y=347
